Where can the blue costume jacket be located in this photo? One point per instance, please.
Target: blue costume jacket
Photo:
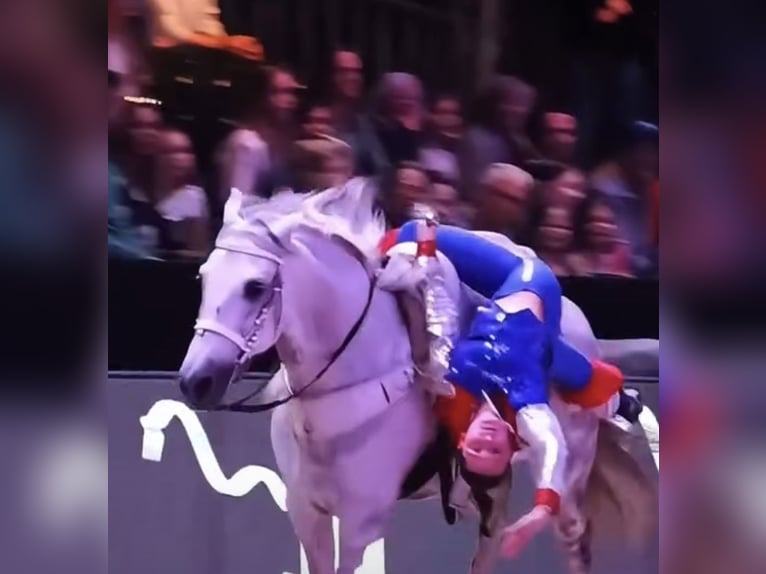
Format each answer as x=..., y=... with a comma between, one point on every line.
x=515, y=354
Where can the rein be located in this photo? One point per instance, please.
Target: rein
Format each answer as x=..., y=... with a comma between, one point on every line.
x=239, y=406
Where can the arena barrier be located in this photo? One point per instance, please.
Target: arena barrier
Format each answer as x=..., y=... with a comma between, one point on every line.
x=211, y=502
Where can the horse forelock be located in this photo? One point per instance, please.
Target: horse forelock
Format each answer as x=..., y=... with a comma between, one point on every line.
x=349, y=212
x=346, y=211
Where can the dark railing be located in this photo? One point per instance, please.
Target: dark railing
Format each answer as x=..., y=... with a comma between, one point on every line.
x=152, y=307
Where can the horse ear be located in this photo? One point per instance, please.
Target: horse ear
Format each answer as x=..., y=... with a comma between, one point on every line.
x=232, y=207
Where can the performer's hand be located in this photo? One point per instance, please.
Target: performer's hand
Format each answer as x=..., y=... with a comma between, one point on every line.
x=518, y=535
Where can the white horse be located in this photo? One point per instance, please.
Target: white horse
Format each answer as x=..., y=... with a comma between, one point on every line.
x=296, y=272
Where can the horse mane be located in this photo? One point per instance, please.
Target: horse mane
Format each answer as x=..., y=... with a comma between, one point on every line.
x=348, y=211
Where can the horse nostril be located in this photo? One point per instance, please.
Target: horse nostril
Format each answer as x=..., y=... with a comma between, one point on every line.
x=195, y=390
x=203, y=387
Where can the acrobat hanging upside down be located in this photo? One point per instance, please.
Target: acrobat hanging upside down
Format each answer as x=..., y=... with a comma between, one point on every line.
x=511, y=350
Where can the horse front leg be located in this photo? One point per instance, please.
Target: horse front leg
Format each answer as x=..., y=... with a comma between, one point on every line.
x=311, y=522
x=361, y=542
x=314, y=530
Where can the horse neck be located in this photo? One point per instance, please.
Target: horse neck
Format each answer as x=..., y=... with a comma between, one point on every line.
x=325, y=293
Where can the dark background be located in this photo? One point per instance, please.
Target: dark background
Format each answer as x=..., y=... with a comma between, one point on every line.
x=153, y=305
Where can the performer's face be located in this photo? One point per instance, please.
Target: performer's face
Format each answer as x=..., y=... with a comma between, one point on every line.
x=486, y=446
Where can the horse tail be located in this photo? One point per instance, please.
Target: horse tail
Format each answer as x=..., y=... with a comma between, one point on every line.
x=622, y=496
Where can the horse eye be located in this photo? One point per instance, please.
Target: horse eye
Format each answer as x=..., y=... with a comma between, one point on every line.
x=253, y=290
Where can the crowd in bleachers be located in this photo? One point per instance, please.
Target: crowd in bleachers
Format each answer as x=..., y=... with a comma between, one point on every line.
x=498, y=164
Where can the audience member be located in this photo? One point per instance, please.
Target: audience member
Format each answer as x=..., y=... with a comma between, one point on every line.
x=559, y=139
x=182, y=204
x=404, y=186
x=558, y=184
x=626, y=185
x=254, y=158
x=397, y=122
x=140, y=161
x=500, y=136
x=321, y=162
x=317, y=122
x=554, y=240
x=444, y=199
x=349, y=121
x=503, y=201
x=123, y=234
x=123, y=237
x=603, y=252
x=346, y=94
x=445, y=128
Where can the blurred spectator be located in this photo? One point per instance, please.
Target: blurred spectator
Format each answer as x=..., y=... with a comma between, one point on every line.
x=182, y=205
x=346, y=93
x=558, y=184
x=503, y=201
x=254, y=158
x=500, y=136
x=124, y=239
x=123, y=234
x=137, y=161
x=559, y=140
x=317, y=122
x=445, y=128
x=348, y=120
x=603, y=253
x=397, y=122
x=626, y=184
x=140, y=161
x=404, y=186
x=554, y=240
x=444, y=199
x=321, y=162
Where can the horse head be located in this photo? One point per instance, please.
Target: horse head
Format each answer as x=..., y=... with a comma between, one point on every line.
x=276, y=277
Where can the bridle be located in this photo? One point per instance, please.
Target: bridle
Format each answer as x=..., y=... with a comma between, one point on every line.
x=247, y=342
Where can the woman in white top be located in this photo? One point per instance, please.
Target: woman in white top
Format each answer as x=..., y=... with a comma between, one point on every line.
x=182, y=205
x=254, y=156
